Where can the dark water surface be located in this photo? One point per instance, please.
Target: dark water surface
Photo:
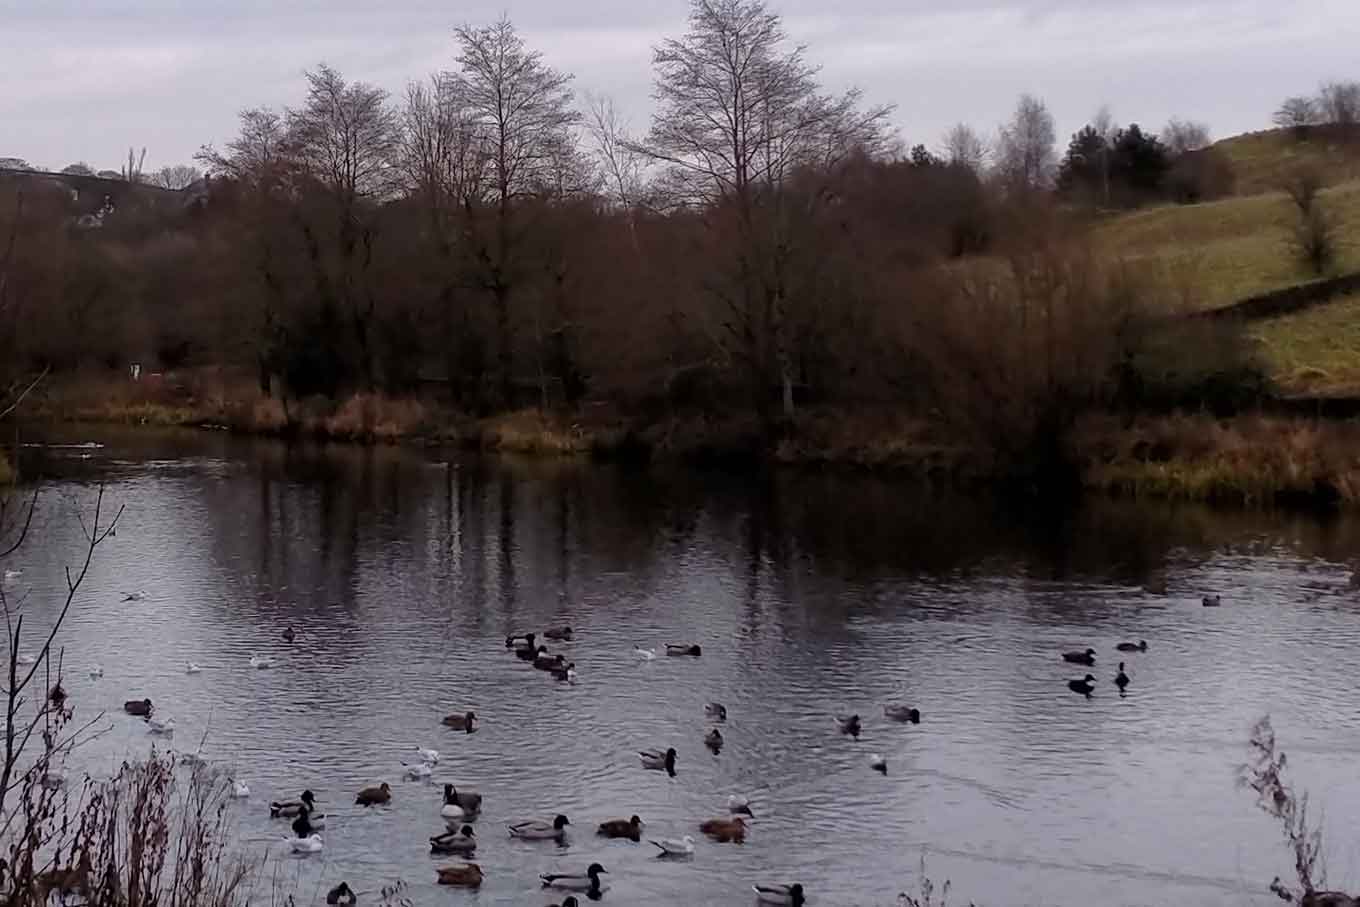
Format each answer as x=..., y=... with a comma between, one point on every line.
x=811, y=595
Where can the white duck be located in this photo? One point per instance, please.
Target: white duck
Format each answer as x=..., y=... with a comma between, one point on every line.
x=164, y=727
x=12, y=575
x=421, y=771
x=192, y=668
x=310, y=844
x=240, y=790
x=644, y=654
x=260, y=662
x=428, y=755
x=672, y=848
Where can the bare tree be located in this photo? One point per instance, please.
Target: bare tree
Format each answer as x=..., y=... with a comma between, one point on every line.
x=1314, y=237
x=521, y=108
x=1296, y=114
x=1183, y=136
x=175, y=177
x=1025, y=150
x=616, y=152
x=1338, y=103
x=258, y=151
x=739, y=117
x=132, y=170
x=965, y=148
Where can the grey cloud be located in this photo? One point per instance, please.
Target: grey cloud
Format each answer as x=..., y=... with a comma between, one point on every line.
x=88, y=79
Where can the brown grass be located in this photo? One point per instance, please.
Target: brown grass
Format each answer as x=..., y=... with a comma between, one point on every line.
x=533, y=431
x=372, y=417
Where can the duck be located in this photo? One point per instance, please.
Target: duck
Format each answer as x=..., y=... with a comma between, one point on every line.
x=559, y=633
x=310, y=844
x=714, y=740
x=656, y=760
x=737, y=803
x=134, y=597
x=303, y=826
x=468, y=801
x=716, y=710
x=289, y=635
x=1140, y=646
x=1121, y=679
x=670, y=847
x=343, y=895
x=787, y=895
x=192, y=668
x=193, y=760
x=428, y=755
x=96, y=672
x=421, y=771
x=849, y=726
x=1211, y=601
x=644, y=654
x=1080, y=658
x=461, y=875
x=286, y=809
x=141, y=708
x=240, y=790
x=547, y=662
x=261, y=662
x=1083, y=686
x=622, y=828
x=12, y=575
x=374, y=796
x=531, y=651
x=731, y=830
x=565, y=673
x=683, y=649
x=464, y=722
x=518, y=639
x=537, y=830
x=57, y=695
x=164, y=728
x=568, y=901
x=902, y=713
x=878, y=763
x=464, y=840
x=589, y=883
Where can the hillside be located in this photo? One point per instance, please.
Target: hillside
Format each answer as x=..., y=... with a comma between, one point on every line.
x=1262, y=160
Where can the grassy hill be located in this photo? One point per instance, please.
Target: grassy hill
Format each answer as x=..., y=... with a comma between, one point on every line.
x=1261, y=161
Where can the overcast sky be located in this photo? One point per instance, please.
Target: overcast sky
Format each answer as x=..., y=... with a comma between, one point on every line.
x=86, y=79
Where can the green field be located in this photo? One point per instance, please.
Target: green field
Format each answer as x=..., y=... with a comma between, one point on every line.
x=1313, y=352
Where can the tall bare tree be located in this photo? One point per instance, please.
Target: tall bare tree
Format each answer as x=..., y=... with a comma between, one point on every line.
x=1026, y=157
x=522, y=111
x=258, y=152
x=623, y=167
x=740, y=115
x=176, y=177
x=1183, y=136
x=963, y=147
x=1297, y=114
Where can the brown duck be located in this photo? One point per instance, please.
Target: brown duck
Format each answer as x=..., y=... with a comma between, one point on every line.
x=622, y=828
x=464, y=722
x=463, y=875
x=374, y=796
x=725, y=830
x=141, y=707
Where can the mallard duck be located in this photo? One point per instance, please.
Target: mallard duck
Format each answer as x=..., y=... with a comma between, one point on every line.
x=163, y=727
x=519, y=639
x=1140, y=646
x=343, y=895
x=240, y=790
x=644, y=654
x=463, y=840
x=736, y=803
x=134, y=597
x=622, y=828
x=302, y=825
x=723, y=831
x=1121, y=679
x=312, y=844
x=589, y=883
x=656, y=760
x=878, y=763
x=670, y=847
x=1083, y=686
x=531, y=654
x=1211, y=601
x=565, y=673
x=468, y=801
x=537, y=830
x=558, y=633
x=464, y=722
x=849, y=726
x=374, y=796
x=192, y=668
x=139, y=707
x=286, y=809
x=289, y=635
x=420, y=771
x=787, y=895
x=902, y=713
x=683, y=649
x=1080, y=658
x=462, y=875
x=428, y=755
x=261, y=662
x=716, y=710
x=714, y=740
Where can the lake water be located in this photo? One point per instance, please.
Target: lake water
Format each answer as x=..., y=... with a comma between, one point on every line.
x=811, y=595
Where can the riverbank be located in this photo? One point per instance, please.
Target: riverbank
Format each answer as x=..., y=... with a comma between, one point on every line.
x=1246, y=461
